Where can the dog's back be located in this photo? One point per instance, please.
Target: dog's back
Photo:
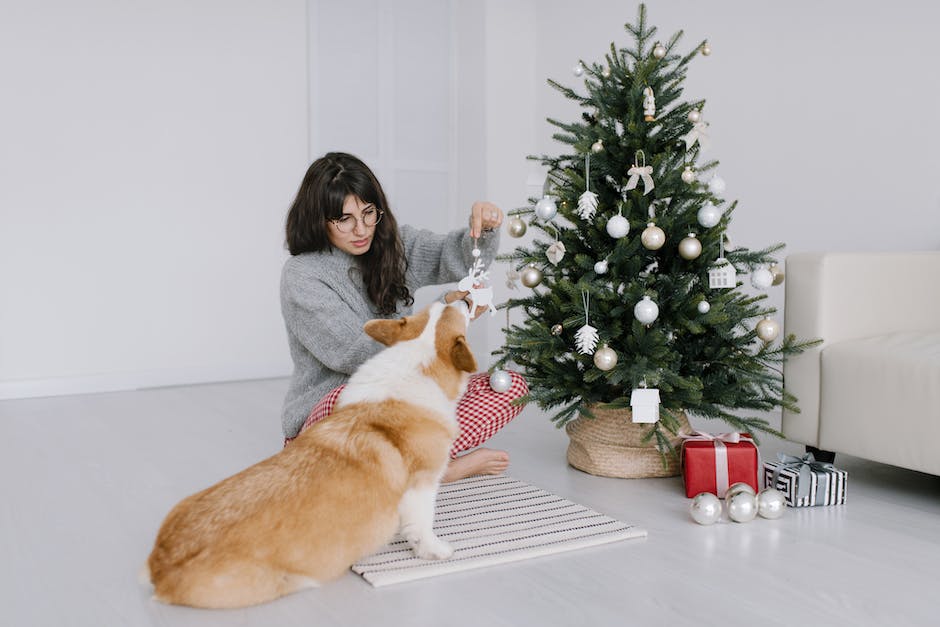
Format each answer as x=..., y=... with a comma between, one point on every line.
x=304, y=515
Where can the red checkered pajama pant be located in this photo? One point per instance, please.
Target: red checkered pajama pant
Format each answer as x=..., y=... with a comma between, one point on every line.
x=481, y=411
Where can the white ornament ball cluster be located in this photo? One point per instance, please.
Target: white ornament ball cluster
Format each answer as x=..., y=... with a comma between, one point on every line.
x=741, y=504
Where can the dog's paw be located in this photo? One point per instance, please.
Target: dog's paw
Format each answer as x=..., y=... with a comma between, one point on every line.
x=432, y=548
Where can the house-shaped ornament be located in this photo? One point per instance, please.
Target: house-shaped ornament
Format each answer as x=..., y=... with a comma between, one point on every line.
x=722, y=275
x=644, y=404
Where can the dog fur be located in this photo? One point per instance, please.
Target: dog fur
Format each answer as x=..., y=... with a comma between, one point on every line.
x=340, y=490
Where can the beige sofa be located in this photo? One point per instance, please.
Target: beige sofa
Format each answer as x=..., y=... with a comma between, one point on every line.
x=872, y=388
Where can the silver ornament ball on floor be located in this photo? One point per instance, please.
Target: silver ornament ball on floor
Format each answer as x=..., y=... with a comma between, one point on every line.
x=500, y=381
x=653, y=237
x=531, y=276
x=690, y=248
x=618, y=226
x=705, y=508
x=742, y=507
x=768, y=329
x=771, y=503
x=605, y=358
x=516, y=227
x=739, y=486
x=545, y=208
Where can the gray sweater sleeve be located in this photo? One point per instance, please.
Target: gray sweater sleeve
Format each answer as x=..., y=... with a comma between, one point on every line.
x=435, y=259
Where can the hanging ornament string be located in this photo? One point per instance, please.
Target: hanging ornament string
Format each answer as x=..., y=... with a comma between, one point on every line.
x=586, y=337
x=587, y=203
x=640, y=171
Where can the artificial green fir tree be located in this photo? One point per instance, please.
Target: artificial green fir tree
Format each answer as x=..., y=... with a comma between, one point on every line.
x=630, y=287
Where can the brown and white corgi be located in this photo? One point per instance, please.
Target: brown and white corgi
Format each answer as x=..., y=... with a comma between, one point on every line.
x=340, y=490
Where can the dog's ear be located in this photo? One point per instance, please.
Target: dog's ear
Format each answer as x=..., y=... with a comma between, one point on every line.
x=385, y=331
x=461, y=355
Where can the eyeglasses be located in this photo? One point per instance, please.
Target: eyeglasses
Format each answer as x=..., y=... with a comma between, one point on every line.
x=370, y=217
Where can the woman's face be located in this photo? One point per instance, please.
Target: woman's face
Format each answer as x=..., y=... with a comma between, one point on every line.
x=351, y=233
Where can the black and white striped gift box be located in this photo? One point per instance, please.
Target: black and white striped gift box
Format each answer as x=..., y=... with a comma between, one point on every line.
x=826, y=487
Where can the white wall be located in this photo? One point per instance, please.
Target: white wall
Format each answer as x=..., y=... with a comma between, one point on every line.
x=149, y=152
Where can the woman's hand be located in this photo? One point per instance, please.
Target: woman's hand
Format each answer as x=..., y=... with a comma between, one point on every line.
x=456, y=295
x=484, y=216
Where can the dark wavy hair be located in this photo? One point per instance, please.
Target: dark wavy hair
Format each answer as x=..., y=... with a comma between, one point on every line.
x=329, y=180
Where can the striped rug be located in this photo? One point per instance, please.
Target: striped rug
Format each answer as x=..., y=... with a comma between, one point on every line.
x=493, y=520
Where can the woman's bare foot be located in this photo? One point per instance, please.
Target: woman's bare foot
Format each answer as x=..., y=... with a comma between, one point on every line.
x=482, y=461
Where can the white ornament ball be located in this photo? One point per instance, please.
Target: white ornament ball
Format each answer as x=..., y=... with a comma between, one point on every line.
x=688, y=176
x=579, y=69
x=597, y=146
x=545, y=208
x=740, y=486
x=646, y=311
x=618, y=226
x=690, y=248
x=530, y=276
x=659, y=50
x=771, y=503
x=605, y=358
x=762, y=278
x=716, y=185
x=709, y=215
x=500, y=381
x=694, y=115
x=703, y=307
x=653, y=237
x=600, y=267
x=706, y=49
x=742, y=507
x=768, y=329
x=516, y=227
x=705, y=508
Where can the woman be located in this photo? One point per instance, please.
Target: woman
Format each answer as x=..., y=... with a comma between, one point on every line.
x=350, y=262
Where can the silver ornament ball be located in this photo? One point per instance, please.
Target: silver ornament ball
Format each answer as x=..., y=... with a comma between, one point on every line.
x=742, y=507
x=768, y=329
x=690, y=248
x=739, y=486
x=705, y=508
x=706, y=49
x=500, y=381
x=516, y=227
x=688, y=176
x=531, y=276
x=659, y=50
x=703, y=307
x=600, y=267
x=771, y=503
x=709, y=215
x=694, y=115
x=579, y=69
x=618, y=226
x=646, y=311
x=653, y=237
x=545, y=208
x=605, y=358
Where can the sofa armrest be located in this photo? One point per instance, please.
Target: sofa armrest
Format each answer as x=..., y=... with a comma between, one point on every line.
x=841, y=296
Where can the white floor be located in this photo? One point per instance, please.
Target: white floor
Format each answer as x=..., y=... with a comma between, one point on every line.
x=86, y=480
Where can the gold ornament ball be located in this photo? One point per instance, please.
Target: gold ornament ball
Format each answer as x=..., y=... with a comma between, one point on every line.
x=659, y=50
x=605, y=358
x=777, y=273
x=768, y=329
x=688, y=176
x=706, y=49
x=557, y=329
x=653, y=237
x=690, y=248
x=531, y=276
x=516, y=227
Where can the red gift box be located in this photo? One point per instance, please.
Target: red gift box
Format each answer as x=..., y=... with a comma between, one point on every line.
x=711, y=463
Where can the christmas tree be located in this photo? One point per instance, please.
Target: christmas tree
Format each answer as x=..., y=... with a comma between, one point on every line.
x=634, y=285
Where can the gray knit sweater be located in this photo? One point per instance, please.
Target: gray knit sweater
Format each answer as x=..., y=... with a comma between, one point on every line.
x=325, y=305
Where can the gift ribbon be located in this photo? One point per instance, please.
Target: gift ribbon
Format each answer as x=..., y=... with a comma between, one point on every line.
x=636, y=172
x=805, y=466
x=721, y=453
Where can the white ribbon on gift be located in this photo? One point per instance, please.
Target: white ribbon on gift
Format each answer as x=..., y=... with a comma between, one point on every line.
x=697, y=134
x=636, y=172
x=721, y=454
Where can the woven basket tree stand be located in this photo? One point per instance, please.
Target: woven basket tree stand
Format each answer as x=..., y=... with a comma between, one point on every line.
x=611, y=445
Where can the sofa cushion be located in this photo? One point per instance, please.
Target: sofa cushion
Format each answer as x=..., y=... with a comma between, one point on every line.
x=880, y=399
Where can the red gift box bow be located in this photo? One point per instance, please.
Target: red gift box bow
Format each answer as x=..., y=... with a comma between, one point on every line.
x=721, y=453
